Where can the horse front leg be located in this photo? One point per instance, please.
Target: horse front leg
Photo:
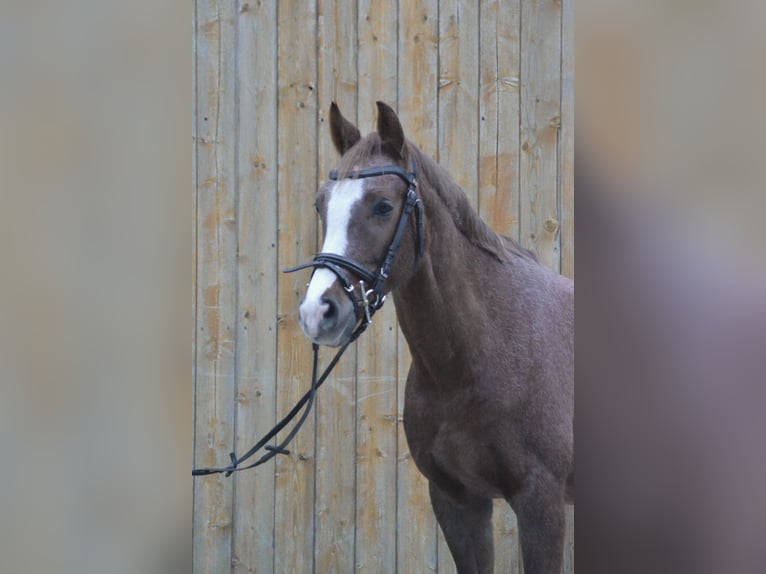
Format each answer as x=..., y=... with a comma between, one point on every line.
x=467, y=527
x=540, y=511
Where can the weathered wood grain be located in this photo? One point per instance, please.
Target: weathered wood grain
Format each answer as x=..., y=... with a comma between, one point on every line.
x=459, y=92
x=499, y=133
x=418, y=110
x=216, y=281
x=458, y=119
x=498, y=179
x=335, y=511
x=566, y=178
x=377, y=366
x=566, y=151
x=569, y=548
x=540, y=122
x=256, y=271
x=507, y=547
x=294, y=507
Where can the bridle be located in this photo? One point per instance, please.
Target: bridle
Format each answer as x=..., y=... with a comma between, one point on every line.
x=371, y=285
x=369, y=301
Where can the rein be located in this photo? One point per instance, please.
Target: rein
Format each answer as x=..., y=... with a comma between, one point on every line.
x=280, y=449
x=370, y=301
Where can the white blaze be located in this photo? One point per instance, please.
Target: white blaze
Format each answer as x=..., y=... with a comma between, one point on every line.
x=342, y=198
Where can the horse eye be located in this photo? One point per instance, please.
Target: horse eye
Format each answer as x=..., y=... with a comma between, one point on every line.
x=382, y=208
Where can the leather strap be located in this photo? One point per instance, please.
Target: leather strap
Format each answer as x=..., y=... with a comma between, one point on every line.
x=407, y=176
x=338, y=264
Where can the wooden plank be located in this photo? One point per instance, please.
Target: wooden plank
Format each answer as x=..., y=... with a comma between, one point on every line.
x=569, y=549
x=499, y=116
x=297, y=117
x=257, y=279
x=216, y=280
x=335, y=510
x=377, y=365
x=196, y=509
x=507, y=547
x=498, y=178
x=566, y=176
x=458, y=94
x=540, y=121
x=418, y=99
x=458, y=119
x=493, y=208
x=418, y=83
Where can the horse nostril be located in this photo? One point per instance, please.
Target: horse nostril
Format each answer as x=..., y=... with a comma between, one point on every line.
x=331, y=312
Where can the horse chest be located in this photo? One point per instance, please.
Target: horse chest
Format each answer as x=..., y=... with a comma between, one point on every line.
x=450, y=444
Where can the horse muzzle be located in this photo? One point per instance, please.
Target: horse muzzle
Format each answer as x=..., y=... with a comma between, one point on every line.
x=328, y=319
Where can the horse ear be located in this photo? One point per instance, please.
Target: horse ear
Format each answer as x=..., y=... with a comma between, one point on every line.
x=344, y=133
x=390, y=130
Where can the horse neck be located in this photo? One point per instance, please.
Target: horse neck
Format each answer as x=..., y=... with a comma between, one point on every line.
x=443, y=309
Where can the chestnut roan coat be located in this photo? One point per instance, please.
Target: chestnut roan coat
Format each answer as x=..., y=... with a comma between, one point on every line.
x=489, y=398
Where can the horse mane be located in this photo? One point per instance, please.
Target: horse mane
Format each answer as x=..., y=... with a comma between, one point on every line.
x=451, y=195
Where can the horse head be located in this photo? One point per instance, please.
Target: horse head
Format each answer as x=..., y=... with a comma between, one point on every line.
x=372, y=222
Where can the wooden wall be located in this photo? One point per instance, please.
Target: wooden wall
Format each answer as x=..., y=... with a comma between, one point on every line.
x=484, y=86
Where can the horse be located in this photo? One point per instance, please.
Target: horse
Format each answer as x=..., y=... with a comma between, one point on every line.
x=489, y=403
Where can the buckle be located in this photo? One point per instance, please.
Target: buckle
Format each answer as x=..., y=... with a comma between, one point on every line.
x=371, y=306
x=365, y=297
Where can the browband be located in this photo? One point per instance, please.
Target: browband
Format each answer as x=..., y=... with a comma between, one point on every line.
x=407, y=176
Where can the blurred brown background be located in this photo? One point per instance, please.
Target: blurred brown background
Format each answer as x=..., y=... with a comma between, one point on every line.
x=95, y=290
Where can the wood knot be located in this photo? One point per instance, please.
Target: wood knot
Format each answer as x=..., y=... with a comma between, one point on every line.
x=551, y=225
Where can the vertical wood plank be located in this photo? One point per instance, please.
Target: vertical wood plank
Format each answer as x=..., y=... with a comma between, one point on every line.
x=458, y=119
x=336, y=406
x=197, y=510
x=507, y=546
x=499, y=133
x=418, y=97
x=566, y=175
x=493, y=208
x=569, y=549
x=216, y=281
x=294, y=506
x=540, y=121
x=377, y=366
x=458, y=94
x=418, y=87
x=498, y=179
x=257, y=276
